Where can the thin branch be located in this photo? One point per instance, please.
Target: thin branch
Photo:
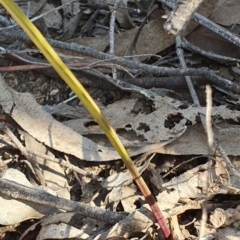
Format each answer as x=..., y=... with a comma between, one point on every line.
x=196, y=102
x=38, y=17
x=187, y=78
x=66, y=164
x=234, y=39
x=209, y=24
x=181, y=15
x=23, y=150
x=135, y=39
x=111, y=35
x=160, y=71
x=18, y=191
x=187, y=45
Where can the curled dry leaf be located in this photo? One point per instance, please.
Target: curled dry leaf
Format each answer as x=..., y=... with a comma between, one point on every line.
x=218, y=218
x=226, y=217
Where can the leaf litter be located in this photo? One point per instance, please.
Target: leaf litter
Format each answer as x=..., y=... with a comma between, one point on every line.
x=162, y=127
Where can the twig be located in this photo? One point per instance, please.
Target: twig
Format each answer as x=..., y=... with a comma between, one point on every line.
x=72, y=66
x=123, y=85
x=111, y=35
x=226, y=159
x=182, y=163
x=31, y=154
x=188, y=79
x=160, y=71
x=196, y=102
x=40, y=16
x=209, y=24
x=18, y=191
x=181, y=15
x=187, y=45
x=26, y=154
x=100, y=5
x=208, y=116
x=135, y=39
x=211, y=149
x=234, y=39
x=163, y=82
x=66, y=164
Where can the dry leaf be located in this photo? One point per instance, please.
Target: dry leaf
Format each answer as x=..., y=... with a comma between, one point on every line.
x=61, y=231
x=35, y=7
x=43, y=127
x=82, y=227
x=194, y=142
x=53, y=20
x=211, y=42
x=192, y=184
x=142, y=129
x=128, y=195
x=137, y=221
x=228, y=233
x=226, y=12
x=153, y=37
x=52, y=172
x=122, y=178
x=21, y=210
x=123, y=18
x=145, y=128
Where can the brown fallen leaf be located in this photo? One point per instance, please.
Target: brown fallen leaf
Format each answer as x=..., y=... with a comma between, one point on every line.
x=226, y=13
x=153, y=37
x=211, y=42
